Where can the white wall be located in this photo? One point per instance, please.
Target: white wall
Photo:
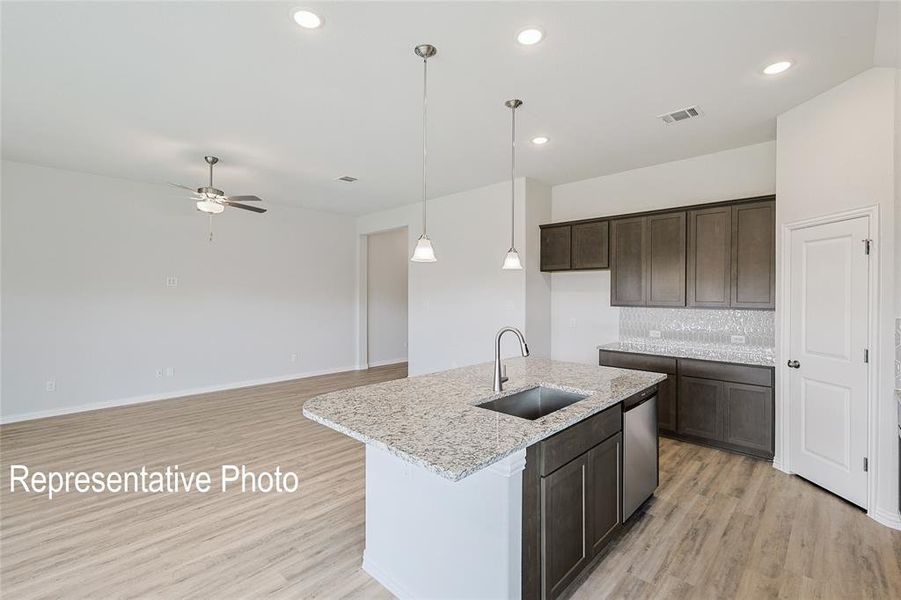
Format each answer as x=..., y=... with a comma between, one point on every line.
x=837, y=152
x=85, y=302
x=457, y=304
x=387, y=297
x=581, y=315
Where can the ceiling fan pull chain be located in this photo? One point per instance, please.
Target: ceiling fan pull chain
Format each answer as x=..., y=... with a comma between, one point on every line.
x=211, y=227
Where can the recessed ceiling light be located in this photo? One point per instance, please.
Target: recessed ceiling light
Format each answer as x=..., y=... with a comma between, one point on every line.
x=540, y=140
x=778, y=67
x=307, y=19
x=530, y=36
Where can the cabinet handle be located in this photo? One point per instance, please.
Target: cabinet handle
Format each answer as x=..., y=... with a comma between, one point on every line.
x=793, y=364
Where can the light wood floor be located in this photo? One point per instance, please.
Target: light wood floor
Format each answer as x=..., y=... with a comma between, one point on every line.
x=721, y=525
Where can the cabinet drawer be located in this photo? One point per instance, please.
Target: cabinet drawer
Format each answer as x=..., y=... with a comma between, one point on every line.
x=639, y=362
x=726, y=372
x=559, y=449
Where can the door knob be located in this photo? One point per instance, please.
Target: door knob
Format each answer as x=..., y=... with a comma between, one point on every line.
x=793, y=364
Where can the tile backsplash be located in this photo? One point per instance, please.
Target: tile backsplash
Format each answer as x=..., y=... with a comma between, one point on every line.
x=699, y=326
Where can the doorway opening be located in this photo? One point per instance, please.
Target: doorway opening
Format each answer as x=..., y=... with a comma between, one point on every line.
x=386, y=297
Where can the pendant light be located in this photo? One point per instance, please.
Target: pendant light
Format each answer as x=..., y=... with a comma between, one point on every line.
x=424, y=251
x=511, y=260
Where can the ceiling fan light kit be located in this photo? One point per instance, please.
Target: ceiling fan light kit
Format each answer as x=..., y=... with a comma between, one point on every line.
x=212, y=201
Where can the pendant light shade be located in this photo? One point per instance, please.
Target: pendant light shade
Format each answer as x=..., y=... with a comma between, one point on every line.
x=424, y=251
x=511, y=260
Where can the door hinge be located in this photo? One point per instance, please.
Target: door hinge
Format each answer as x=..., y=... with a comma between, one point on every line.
x=866, y=464
x=866, y=246
x=866, y=355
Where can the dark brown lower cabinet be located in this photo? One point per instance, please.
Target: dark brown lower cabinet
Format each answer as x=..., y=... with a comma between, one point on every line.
x=564, y=531
x=581, y=511
x=748, y=419
x=736, y=416
x=572, y=508
x=699, y=412
x=605, y=496
x=721, y=404
x=666, y=389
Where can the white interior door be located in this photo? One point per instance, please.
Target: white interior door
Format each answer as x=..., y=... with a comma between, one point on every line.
x=828, y=328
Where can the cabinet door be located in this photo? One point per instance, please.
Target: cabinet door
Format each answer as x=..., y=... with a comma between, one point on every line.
x=556, y=248
x=748, y=417
x=628, y=251
x=564, y=536
x=604, y=507
x=666, y=259
x=698, y=407
x=666, y=404
x=709, y=281
x=754, y=255
x=589, y=245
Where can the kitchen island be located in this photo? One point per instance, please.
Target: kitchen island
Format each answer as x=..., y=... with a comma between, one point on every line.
x=447, y=480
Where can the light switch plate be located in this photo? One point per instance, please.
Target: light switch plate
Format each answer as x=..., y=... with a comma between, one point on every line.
x=171, y=281
x=50, y=385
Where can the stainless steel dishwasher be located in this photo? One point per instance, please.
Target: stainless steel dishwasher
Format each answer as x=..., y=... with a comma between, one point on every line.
x=640, y=458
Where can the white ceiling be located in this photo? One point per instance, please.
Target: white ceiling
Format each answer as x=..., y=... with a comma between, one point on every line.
x=143, y=90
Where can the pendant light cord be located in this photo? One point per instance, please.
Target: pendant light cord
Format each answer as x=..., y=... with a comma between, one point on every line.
x=425, y=79
x=513, y=182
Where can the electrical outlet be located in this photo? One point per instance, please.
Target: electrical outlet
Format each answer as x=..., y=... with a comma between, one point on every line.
x=170, y=371
x=293, y=358
x=737, y=339
x=50, y=385
x=654, y=333
x=159, y=373
x=572, y=323
x=171, y=281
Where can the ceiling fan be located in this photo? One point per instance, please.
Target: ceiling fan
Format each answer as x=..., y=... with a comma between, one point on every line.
x=213, y=201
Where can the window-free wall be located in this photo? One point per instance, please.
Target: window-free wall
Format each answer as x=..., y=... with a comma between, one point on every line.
x=458, y=303
x=86, y=308
x=837, y=152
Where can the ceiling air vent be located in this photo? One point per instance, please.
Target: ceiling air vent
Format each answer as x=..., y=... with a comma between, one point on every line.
x=683, y=114
x=346, y=179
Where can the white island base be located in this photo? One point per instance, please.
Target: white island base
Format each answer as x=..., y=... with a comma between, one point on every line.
x=430, y=537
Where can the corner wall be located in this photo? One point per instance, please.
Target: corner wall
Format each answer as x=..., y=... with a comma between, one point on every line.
x=837, y=152
x=86, y=304
x=458, y=303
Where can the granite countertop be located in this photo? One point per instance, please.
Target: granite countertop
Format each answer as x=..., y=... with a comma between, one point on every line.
x=764, y=357
x=431, y=420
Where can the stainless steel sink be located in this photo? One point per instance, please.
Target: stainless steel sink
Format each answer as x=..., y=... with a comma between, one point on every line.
x=533, y=403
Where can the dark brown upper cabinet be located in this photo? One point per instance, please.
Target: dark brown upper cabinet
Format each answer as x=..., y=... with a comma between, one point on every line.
x=556, y=248
x=754, y=255
x=590, y=245
x=666, y=259
x=710, y=257
x=628, y=262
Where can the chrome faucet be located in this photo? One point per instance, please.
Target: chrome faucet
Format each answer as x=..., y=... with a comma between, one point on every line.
x=499, y=373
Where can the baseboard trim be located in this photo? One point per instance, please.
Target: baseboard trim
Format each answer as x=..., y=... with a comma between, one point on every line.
x=385, y=363
x=43, y=414
x=887, y=518
x=385, y=579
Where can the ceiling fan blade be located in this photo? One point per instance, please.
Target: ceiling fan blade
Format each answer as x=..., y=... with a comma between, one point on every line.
x=244, y=206
x=244, y=198
x=184, y=187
